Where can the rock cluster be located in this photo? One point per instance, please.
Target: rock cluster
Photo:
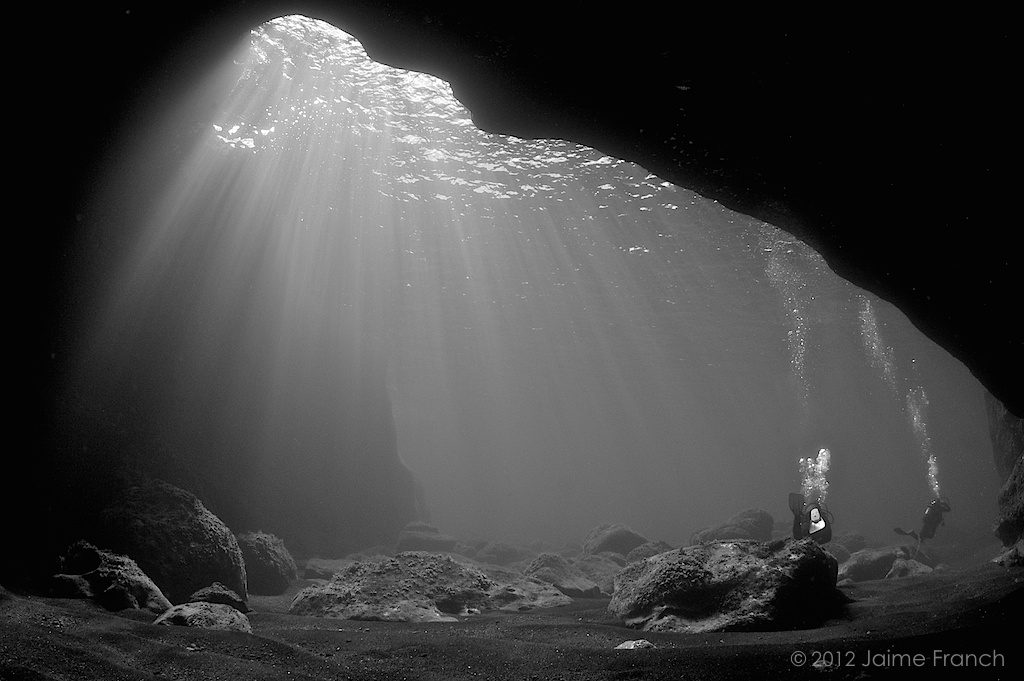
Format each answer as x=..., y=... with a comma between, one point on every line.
x=112, y=580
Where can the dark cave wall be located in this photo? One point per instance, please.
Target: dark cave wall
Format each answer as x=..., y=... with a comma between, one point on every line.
x=1007, y=432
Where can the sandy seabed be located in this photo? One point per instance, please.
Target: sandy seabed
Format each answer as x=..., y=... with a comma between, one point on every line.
x=964, y=621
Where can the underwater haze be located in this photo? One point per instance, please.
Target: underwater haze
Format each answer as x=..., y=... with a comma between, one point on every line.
x=320, y=252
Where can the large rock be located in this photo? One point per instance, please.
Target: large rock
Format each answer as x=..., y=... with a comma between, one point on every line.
x=750, y=524
x=729, y=586
x=112, y=580
x=907, y=567
x=869, y=564
x=527, y=593
x=175, y=540
x=614, y=537
x=567, y=578
x=421, y=536
x=418, y=587
x=218, y=593
x=206, y=615
x=269, y=567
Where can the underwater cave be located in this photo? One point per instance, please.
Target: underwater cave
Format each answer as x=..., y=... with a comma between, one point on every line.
x=312, y=298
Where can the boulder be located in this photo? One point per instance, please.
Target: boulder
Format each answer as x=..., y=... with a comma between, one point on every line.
x=419, y=536
x=112, y=580
x=501, y=553
x=750, y=524
x=839, y=552
x=741, y=585
x=868, y=564
x=206, y=615
x=416, y=586
x=613, y=537
x=218, y=593
x=527, y=593
x=639, y=644
x=906, y=567
x=567, y=578
x=175, y=540
x=601, y=569
x=269, y=567
x=651, y=548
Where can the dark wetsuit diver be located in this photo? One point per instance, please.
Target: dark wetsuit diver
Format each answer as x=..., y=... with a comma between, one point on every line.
x=810, y=519
x=930, y=521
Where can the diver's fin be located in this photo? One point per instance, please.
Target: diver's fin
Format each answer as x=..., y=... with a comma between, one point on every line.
x=796, y=502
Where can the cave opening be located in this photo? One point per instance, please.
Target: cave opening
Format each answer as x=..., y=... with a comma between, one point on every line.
x=338, y=306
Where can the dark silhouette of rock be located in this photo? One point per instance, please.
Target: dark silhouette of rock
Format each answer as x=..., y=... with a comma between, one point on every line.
x=750, y=524
x=651, y=548
x=420, y=536
x=269, y=567
x=739, y=585
x=614, y=537
x=868, y=564
x=218, y=593
x=501, y=553
x=207, y=616
x=417, y=586
x=112, y=580
x=567, y=578
x=175, y=540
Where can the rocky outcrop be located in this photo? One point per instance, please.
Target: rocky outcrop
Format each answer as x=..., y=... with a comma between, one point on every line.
x=175, y=540
x=750, y=524
x=613, y=537
x=112, y=580
x=567, y=578
x=868, y=564
x=1011, y=557
x=651, y=548
x=1009, y=526
x=1007, y=434
x=269, y=567
x=739, y=585
x=421, y=536
x=207, y=616
x=418, y=587
x=218, y=593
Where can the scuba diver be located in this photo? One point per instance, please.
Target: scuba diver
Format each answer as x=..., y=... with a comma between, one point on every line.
x=810, y=519
x=930, y=521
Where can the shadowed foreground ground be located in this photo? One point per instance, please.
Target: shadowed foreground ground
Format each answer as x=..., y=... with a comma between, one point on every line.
x=971, y=610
